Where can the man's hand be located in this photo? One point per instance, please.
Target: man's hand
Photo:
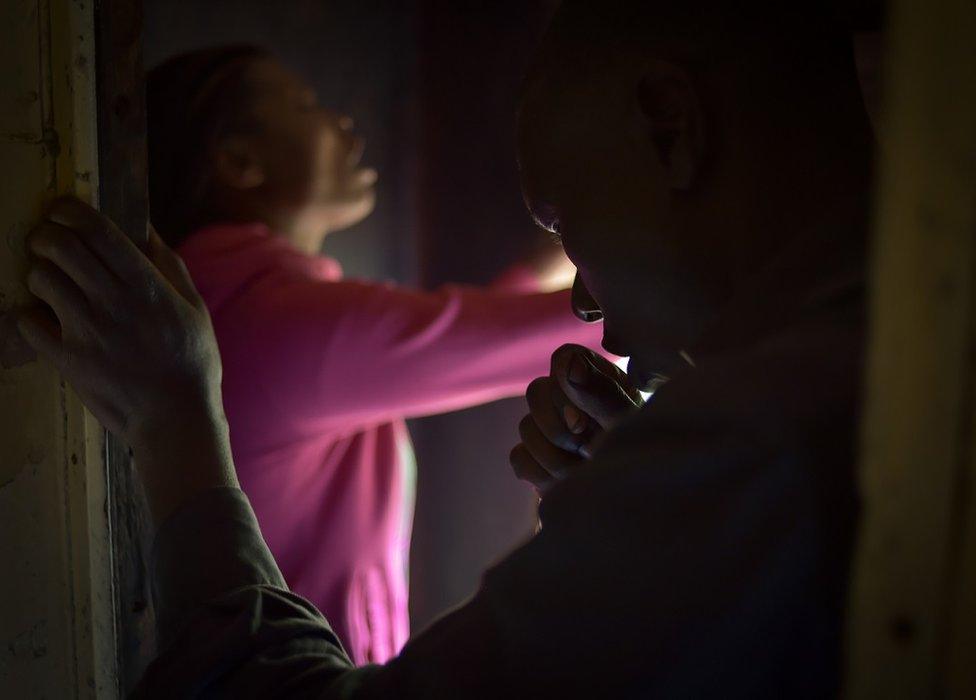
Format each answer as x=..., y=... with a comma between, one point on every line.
x=132, y=336
x=570, y=411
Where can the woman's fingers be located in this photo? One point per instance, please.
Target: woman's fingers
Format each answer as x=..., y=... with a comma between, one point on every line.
x=47, y=282
x=62, y=247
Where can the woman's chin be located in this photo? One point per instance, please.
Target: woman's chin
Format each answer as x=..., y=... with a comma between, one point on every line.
x=356, y=208
x=363, y=178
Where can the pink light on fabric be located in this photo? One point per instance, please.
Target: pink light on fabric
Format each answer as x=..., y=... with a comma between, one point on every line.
x=319, y=375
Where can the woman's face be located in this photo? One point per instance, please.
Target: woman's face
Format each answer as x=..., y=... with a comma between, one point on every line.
x=309, y=155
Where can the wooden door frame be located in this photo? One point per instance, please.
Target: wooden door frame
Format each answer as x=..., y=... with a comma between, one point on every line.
x=124, y=197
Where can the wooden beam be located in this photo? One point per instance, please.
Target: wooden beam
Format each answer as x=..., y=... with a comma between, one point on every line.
x=57, y=637
x=124, y=198
x=913, y=606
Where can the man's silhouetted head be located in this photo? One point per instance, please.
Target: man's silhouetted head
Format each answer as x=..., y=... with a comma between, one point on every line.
x=677, y=147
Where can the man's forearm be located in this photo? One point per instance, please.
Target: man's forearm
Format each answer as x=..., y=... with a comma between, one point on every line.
x=229, y=627
x=201, y=447
x=227, y=623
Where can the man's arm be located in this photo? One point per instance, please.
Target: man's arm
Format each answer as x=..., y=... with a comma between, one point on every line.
x=131, y=334
x=687, y=581
x=688, y=561
x=227, y=624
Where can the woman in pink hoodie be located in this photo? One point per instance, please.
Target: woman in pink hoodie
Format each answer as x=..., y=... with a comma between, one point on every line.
x=247, y=176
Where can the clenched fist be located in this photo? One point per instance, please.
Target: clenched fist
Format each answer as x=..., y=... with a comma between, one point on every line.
x=570, y=411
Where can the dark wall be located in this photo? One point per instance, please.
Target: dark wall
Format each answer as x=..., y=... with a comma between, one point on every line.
x=432, y=87
x=359, y=56
x=473, y=223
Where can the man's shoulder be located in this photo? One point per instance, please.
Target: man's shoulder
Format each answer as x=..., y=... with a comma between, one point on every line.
x=791, y=387
x=780, y=415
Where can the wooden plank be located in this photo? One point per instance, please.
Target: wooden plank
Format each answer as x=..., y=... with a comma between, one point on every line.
x=56, y=613
x=961, y=642
x=72, y=55
x=124, y=198
x=20, y=110
x=912, y=614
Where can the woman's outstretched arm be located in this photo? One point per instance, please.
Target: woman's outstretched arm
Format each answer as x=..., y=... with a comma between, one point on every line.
x=350, y=353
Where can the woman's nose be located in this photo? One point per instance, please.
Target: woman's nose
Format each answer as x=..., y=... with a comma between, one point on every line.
x=584, y=305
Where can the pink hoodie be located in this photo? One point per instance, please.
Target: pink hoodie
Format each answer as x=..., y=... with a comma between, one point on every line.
x=319, y=375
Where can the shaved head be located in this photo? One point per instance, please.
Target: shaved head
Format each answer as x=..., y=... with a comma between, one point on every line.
x=673, y=147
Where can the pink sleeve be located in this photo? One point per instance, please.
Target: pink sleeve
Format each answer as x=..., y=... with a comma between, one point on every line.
x=349, y=353
x=518, y=278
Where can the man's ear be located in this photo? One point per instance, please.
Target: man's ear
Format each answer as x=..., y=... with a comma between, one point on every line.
x=675, y=120
x=237, y=165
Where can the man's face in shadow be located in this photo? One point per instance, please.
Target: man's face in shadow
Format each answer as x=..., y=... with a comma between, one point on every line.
x=616, y=190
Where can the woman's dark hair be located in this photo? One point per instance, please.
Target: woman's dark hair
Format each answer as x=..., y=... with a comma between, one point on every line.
x=192, y=101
